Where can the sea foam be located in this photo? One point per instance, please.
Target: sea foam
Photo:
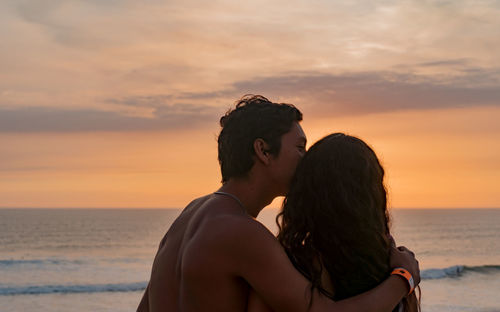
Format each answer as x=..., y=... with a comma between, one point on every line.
x=458, y=270
x=68, y=289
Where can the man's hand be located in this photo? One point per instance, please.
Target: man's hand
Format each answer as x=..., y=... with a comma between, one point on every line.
x=402, y=257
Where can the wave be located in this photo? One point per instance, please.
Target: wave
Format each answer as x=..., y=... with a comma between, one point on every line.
x=13, y=262
x=457, y=271
x=41, y=262
x=71, y=289
x=428, y=274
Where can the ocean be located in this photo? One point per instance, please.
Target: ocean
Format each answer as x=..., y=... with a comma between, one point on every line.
x=100, y=259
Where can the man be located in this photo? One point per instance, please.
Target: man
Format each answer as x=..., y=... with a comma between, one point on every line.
x=216, y=251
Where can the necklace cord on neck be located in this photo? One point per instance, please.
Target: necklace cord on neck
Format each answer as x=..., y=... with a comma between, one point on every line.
x=233, y=197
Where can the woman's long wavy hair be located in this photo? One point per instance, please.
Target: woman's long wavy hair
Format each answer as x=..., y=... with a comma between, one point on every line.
x=335, y=218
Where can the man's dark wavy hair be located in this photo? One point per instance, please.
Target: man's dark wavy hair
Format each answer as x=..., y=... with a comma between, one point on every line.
x=335, y=218
x=253, y=117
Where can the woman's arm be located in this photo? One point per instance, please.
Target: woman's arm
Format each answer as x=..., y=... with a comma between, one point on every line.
x=263, y=263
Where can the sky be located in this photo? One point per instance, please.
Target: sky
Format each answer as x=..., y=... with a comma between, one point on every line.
x=107, y=103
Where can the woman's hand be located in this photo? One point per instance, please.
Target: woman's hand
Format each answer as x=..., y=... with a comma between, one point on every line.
x=402, y=257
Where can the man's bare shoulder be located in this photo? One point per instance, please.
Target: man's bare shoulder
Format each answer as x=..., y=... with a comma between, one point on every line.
x=196, y=203
x=225, y=226
x=226, y=233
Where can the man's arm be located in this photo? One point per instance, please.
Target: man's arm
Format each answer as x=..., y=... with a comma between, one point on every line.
x=144, y=304
x=259, y=258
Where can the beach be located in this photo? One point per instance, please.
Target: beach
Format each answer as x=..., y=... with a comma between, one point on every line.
x=100, y=259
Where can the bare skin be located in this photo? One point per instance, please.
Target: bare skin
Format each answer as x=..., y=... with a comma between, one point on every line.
x=257, y=304
x=216, y=252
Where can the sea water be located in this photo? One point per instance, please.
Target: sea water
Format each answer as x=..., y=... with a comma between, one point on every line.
x=100, y=259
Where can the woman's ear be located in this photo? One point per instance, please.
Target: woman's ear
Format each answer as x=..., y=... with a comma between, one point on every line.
x=261, y=149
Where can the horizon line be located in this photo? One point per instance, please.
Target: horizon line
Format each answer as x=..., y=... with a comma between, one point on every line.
x=177, y=208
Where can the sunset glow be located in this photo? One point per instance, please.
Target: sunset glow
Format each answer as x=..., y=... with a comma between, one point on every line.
x=116, y=103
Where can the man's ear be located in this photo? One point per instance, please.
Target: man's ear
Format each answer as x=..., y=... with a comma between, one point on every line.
x=261, y=149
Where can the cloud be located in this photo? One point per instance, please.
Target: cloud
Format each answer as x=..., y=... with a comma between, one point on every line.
x=373, y=92
x=42, y=119
x=446, y=63
x=78, y=23
x=317, y=94
x=152, y=101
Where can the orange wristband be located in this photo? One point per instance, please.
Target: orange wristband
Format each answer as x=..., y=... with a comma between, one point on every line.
x=406, y=275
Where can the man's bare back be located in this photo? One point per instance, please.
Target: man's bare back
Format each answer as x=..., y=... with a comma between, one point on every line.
x=193, y=270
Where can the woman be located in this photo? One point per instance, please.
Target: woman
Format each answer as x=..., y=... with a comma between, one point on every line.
x=334, y=224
